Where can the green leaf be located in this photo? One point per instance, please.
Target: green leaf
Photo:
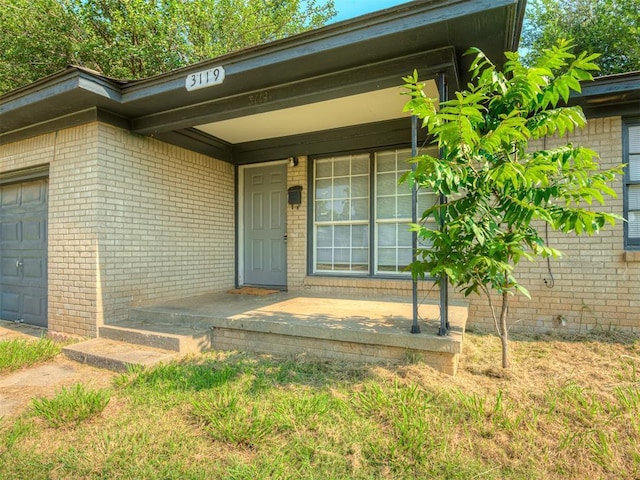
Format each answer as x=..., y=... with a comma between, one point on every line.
x=523, y=290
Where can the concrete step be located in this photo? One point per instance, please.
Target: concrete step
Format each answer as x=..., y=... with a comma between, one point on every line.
x=117, y=356
x=194, y=340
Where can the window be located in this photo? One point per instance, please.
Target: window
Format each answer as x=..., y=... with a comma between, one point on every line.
x=351, y=190
x=342, y=214
x=632, y=184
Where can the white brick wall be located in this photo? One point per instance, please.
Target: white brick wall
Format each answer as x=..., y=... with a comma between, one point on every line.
x=596, y=286
x=297, y=227
x=73, y=301
x=597, y=283
x=131, y=220
x=166, y=222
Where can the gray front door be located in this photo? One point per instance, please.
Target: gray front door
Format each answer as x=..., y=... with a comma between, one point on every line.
x=264, y=215
x=23, y=252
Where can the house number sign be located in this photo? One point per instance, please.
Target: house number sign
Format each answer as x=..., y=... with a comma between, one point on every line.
x=205, y=78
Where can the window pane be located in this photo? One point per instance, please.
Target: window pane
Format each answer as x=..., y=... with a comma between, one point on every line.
x=386, y=207
x=324, y=188
x=360, y=256
x=360, y=186
x=324, y=256
x=404, y=187
x=634, y=139
x=404, y=235
x=324, y=236
x=634, y=197
x=339, y=210
x=633, y=226
x=386, y=161
x=386, y=184
x=425, y=200
x=342, y=257
x=403, y=160
x=387, y=258
x=634, y=167
x=360, y=164
x=323, y=168
x=360, y=236
x=360, y=209
x=323, y=211
x=342, y=236
x=404, y=258
x=404, y=206
x=387, y=234
x=341, y=167
x=341, y=187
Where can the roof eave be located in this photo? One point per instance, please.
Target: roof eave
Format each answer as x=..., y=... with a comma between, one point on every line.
x=610, y=95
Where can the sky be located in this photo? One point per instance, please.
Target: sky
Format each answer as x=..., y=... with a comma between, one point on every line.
x=354, y=8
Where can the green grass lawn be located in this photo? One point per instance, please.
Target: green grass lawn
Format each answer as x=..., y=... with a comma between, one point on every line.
x=18, y=353
x=569, y=408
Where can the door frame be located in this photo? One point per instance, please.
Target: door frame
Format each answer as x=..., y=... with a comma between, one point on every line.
x=240, y=216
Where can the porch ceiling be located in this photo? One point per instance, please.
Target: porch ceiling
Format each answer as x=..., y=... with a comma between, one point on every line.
x=376, y=106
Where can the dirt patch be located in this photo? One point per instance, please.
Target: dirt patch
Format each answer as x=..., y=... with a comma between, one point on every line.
x=17, y=389
x=11, y=330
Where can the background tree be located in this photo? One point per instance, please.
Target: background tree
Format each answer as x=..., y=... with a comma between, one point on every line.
x=611, y=27
x=500, y=192
x=139, y=38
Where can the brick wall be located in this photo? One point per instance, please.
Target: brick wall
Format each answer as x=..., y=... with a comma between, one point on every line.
x=595, y=282
x=297, y=227
x=74, y=304
x=131, y=221
x=166, y=222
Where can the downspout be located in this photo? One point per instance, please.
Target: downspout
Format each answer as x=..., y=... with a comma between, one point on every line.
x=444, y=279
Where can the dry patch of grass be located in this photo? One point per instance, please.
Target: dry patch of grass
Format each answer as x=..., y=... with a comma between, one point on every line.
x=569, y=408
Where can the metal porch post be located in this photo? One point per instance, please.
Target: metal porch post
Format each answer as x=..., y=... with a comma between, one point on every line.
x=444, y=280
x=415, y=328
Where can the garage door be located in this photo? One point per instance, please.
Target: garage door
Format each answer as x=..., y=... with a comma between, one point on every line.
x=23, y=252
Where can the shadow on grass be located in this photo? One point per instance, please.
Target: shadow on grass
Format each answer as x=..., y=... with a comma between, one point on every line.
x=260, y=372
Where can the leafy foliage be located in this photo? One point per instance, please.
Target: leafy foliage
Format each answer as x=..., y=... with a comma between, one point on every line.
x=608, y=26
x=139, y=38
x=496, y=186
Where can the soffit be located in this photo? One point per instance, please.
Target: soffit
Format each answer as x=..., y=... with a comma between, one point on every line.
x=376, y=106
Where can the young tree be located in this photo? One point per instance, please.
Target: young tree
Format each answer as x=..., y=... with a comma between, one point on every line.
x=611, y=27
x=499, y=192
x=138, y=38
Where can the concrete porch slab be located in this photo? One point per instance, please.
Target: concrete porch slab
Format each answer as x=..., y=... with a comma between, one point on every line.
x=364, y=330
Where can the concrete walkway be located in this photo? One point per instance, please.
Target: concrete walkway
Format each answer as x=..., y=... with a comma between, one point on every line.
x=17, y=389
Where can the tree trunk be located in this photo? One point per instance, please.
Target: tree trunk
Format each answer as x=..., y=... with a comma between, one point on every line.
x=504, y=332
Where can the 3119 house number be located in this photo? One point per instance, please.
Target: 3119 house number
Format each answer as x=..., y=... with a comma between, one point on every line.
x=205, y=78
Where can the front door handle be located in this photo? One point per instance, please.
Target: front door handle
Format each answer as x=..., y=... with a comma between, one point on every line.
x=18, y=263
